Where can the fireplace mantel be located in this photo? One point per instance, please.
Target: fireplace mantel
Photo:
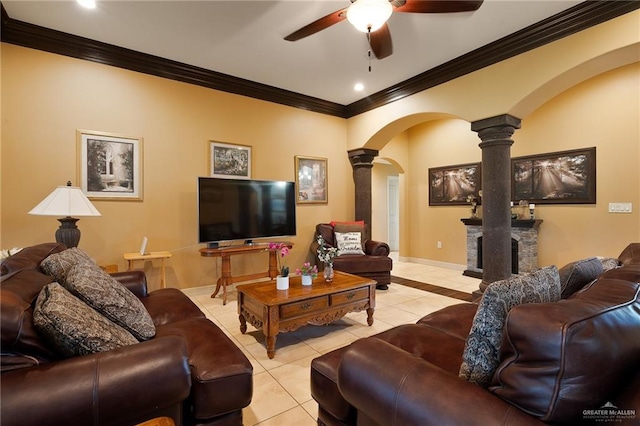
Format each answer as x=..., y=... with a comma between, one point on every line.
x=516, y=223
x=524, y=236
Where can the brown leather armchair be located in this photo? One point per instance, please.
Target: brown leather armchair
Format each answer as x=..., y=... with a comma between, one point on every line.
x=375, y=263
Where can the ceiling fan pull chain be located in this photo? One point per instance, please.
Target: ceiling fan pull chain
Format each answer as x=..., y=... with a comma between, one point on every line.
x=369, y=43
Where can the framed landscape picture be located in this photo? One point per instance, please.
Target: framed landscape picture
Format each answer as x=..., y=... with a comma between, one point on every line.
x=452, y=185
x=229, y=161
x=110, y=165
x=311, y=180
x=566, y=177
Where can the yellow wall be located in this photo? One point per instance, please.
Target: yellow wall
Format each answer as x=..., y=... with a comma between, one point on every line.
x=602, y=112
x=46, y=97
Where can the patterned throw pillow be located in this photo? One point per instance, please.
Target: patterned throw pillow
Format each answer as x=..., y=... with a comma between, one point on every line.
x=481, y=355
x=58, y=264
x=72, y=327
x=576, y=275
x=117, y=303
x=349, y=243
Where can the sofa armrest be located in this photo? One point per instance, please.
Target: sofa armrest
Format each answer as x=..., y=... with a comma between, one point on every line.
x=116, y=386
x=412, y=391
x=376, y=248
x=135, y=280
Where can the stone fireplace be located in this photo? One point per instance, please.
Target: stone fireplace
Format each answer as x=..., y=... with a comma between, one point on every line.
x=524, y=246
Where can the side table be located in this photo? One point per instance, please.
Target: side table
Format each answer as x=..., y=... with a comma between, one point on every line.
x=132, y=257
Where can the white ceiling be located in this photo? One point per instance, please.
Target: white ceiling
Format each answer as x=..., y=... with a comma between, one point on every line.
x=246, y=38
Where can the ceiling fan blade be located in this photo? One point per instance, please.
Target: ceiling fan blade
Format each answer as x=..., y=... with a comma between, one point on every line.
x=318, y=25
x=380, y=42
x=435, y=6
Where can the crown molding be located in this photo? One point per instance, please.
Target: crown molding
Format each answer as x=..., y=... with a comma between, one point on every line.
x=573, y=20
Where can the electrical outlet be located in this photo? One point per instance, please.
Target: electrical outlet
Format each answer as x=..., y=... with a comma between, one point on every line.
x=620, y=207
x=439, y=244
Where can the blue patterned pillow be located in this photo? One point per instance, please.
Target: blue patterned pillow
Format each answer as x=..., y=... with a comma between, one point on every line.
x=481, y=355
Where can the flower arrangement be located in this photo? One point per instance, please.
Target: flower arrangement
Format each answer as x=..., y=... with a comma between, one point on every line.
x=308, y=269
x=326, y=253
x=283, y=251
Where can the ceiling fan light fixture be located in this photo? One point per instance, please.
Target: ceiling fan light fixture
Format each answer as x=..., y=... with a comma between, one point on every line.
x=369, y=15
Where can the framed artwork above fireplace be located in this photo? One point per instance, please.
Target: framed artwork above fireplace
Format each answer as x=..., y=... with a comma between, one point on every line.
x=565, y=177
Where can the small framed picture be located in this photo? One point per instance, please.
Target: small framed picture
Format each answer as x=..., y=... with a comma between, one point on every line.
x=454, y=185
x=311, y=180
x=229, y=161
x=110, y=165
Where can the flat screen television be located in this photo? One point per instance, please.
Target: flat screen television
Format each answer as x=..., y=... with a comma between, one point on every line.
x=241, y=209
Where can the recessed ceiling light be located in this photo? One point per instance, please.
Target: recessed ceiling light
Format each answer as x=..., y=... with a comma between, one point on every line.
x=89, y=4
x=359, y=87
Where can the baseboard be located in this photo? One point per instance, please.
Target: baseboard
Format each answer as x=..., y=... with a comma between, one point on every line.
x=430, y=262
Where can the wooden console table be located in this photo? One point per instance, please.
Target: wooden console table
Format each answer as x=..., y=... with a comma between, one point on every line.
x=225, y=254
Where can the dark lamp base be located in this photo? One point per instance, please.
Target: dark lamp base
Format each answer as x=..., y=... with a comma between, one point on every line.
x=68, y=233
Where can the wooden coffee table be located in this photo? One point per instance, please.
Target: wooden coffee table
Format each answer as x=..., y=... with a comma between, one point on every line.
x=321, y=303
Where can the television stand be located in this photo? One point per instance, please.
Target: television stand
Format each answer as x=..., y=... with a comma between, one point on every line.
x=225, y=254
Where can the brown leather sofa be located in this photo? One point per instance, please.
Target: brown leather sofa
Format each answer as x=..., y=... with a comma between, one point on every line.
x=190, y=371
x=375, y=263
x=568, y=362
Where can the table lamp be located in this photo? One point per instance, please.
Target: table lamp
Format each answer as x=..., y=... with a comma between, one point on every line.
x=66, y=201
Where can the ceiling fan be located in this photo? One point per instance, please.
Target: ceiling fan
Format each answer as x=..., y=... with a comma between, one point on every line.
x=370, y=16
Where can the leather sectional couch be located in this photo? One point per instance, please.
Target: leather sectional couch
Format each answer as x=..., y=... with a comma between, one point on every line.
x=189, y=371
x=572, y=361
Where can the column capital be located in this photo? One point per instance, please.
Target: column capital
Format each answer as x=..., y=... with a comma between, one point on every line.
x=504, y=120
x=362, y=157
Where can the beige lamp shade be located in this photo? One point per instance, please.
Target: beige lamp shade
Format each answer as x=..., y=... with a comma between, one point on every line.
x=66, y=201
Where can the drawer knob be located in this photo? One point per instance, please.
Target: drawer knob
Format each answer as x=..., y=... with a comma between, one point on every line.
x=350, y=296
x=305, y=306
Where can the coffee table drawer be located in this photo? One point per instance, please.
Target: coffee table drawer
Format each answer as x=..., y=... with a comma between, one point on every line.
x=350, y=296
x=304, y=307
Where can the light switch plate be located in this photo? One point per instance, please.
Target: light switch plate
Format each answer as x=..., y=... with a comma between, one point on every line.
x=620, y=208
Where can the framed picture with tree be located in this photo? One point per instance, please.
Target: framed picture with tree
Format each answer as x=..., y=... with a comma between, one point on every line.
x=109, y=165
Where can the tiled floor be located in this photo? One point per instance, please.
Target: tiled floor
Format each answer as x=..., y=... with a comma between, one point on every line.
x=281, y=394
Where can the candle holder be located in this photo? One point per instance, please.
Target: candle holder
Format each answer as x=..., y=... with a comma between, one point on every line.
x=532, y=209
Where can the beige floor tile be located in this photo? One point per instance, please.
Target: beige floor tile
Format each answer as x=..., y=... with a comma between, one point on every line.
x=295, y=417
x=311, y=407
x=294, y=378
x=269, y=400
x=282, y=394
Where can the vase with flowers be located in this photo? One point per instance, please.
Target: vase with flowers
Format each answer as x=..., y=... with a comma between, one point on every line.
x=282, y=280
x=326, y=254
x=307, y=273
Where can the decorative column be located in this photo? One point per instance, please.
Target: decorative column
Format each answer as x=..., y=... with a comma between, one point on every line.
x=495, y=133
x=362, y=162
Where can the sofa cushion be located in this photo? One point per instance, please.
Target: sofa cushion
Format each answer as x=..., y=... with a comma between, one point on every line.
x=565, y=357
x=113, y=300
x=30, y=257
x=221, y=375
x=73, y=327
x=576, y=275
x=21, y=343
x=58, y=264
x=481, y=354
x=349, y=243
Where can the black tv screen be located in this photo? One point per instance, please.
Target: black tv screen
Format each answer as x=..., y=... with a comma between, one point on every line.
x=240, y=209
